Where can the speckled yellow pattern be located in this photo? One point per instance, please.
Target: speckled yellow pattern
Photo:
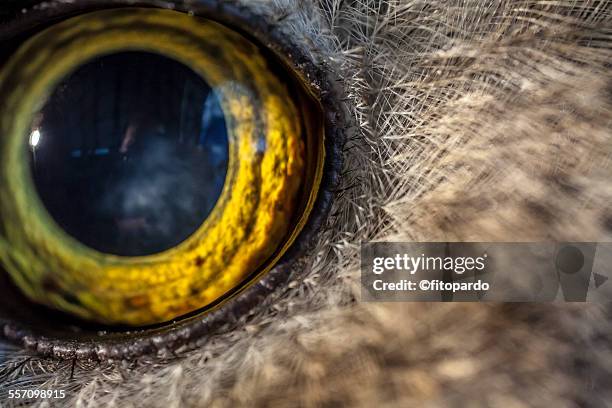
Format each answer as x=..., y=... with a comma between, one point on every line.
x=251, y=222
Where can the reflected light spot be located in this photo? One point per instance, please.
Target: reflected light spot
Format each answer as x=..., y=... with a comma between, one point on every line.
x=35, y=138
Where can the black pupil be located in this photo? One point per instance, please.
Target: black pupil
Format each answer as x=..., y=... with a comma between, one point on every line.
x=129, y=154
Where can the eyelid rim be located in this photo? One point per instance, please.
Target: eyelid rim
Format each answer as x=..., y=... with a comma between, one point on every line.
x=323, y=83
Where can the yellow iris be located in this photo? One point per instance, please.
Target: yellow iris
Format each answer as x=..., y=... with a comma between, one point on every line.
x=267, y=196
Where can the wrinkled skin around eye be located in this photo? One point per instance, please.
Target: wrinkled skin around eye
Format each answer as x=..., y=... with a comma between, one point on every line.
x=477, y=121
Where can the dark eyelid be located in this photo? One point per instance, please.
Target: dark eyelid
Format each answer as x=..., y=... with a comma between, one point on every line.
x=320, y=81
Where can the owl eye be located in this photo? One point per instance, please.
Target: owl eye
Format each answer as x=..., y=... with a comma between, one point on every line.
x=153, y=164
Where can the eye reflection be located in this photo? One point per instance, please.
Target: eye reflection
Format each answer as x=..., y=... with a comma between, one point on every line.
x=129, y=154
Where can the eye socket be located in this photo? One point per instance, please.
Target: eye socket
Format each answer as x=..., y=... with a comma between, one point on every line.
x=274, y=168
